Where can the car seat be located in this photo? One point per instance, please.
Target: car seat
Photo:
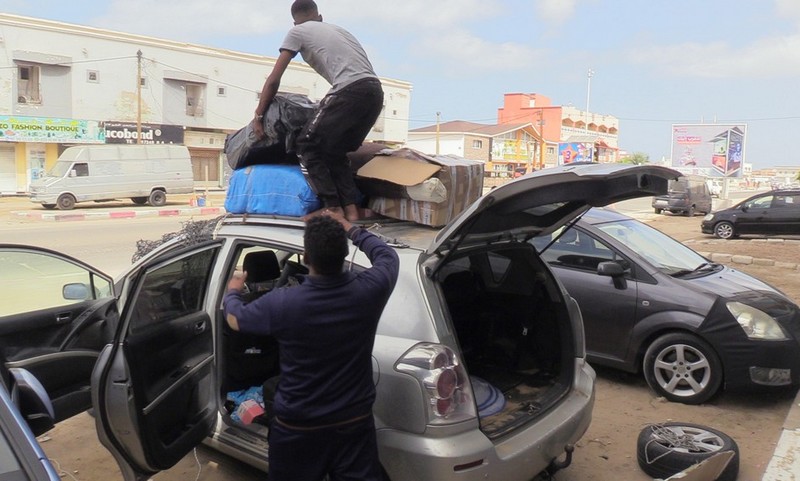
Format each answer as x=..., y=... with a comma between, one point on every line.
x=262, y=270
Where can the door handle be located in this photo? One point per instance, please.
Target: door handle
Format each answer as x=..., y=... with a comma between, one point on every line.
x=199, y=327
x=63, y=318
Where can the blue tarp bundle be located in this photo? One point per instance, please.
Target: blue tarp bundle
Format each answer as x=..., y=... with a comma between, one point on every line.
x=270, y=189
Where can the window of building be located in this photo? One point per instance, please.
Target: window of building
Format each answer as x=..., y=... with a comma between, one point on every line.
x=221, y=91
x=93, y=76
x=195, y=100
x=28, y=91
x=143, y=82
x=477, y=144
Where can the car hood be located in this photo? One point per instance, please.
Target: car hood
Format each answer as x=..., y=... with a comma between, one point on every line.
x=731, y=283
x=541, y=202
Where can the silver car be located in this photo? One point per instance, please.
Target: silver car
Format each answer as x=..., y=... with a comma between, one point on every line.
x=479, y=359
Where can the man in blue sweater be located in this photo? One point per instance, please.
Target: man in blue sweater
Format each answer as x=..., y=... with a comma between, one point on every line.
x=325, y=328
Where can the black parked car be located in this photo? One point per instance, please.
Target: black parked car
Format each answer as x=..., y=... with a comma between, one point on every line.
x=651, y=304
x=768, y=213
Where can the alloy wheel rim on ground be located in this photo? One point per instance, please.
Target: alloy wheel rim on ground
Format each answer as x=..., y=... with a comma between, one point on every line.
x=682, y=370
x=699, y=439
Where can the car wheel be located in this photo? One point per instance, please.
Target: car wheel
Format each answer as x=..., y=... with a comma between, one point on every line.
x=49, y=206
x=139, y=200
x=690, y=212
x=65, y=202
x=724, y=230
x=682, y=368
x=157, y=198
x=665, y=449
x=658, y=211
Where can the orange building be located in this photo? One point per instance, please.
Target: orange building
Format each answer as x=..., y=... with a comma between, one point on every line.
x=562, y=126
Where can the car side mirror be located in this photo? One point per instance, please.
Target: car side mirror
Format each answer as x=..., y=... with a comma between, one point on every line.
x=75, y=291
x=72, y=173
x=610, y=268
x=744, y=208
x=615, y=271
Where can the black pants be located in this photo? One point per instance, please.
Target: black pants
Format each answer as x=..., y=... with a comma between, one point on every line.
x=345, y=453
x=340, y=126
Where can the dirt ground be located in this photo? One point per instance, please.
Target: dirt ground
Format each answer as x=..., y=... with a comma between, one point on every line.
x=624, y=403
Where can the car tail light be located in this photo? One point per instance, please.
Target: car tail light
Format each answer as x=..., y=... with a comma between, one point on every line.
x=448, y=394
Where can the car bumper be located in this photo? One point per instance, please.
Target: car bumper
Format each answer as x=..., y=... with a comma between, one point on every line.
x=764, y=363
x=471, y=455
x=706, y=227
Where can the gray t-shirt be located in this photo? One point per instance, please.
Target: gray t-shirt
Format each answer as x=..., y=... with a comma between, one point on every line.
x=331, y=51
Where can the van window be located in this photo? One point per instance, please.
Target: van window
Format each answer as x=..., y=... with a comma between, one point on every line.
x=678, y=186
x=81, y=169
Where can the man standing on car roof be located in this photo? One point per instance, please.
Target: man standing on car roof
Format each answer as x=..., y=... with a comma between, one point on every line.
x=325, y=328
x=346, y=113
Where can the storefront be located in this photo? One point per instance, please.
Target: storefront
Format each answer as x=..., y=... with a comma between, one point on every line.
x=30, y=145
x=206, y=149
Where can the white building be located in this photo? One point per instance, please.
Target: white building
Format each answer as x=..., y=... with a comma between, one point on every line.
x=63, y=84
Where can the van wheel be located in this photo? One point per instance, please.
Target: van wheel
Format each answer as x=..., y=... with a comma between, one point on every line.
x=658, y=211
x=139, y=200
x=690, y=212
x=683, y=368
x=65, y=202
x=157, y=198
x=49, y=206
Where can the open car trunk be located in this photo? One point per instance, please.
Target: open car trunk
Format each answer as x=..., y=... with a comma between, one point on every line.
x=514, y=333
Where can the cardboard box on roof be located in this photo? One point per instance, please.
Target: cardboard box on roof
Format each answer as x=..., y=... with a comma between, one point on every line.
x=409, y=185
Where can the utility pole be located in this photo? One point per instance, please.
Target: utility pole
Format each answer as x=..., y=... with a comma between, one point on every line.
x=438, y=114
x=139, y=97
x=588, y=93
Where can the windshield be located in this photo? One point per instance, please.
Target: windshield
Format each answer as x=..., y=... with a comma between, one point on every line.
x=661, y=250
x=60, y=169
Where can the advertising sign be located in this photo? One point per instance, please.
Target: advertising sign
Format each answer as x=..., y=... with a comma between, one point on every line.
x=570, y=152
x=47, y=130
x=715, y=150
x=127, y=133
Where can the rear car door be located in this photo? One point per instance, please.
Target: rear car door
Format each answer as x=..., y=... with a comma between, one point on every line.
x=154, y=386
x=56, y=314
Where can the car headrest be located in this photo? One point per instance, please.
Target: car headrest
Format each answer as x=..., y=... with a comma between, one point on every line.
x=261, y=266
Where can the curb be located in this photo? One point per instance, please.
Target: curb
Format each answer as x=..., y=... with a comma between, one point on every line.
x=785, y=462
x=119, y=214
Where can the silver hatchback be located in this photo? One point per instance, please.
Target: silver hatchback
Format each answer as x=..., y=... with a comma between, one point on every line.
x=479, y=359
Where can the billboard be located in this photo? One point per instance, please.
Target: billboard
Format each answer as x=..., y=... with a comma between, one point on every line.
x=569, y=152
x=127, y=133
x=714, y=150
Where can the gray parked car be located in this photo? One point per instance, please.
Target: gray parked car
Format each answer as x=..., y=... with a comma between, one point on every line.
x=651, y=304
x=479, y=358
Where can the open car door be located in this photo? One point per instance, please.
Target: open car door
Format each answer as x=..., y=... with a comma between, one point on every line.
x=56, y=314
x=153, y=387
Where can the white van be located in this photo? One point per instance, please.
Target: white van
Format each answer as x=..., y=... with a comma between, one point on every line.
x=144, y=173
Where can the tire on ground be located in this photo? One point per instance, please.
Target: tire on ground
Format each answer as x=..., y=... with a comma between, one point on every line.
x=665, y=449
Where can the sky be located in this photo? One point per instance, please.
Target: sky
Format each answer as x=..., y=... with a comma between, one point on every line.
x=655, y=63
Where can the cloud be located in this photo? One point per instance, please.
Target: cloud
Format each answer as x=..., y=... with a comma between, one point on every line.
x=196, y=19
x=460, y=52
x=765, y=58
x=788, y=8
x=555, y=11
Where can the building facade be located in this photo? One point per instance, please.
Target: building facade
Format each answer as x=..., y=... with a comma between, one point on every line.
x=576, y=133
x=504, y=149
x=64, y=84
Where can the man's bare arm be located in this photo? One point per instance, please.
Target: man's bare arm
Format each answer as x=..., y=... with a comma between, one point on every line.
x=271, y=86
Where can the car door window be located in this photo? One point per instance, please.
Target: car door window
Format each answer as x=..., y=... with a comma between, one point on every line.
x=172, y=291
x=575, y=248
x=760, y=203
x=33, y=280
